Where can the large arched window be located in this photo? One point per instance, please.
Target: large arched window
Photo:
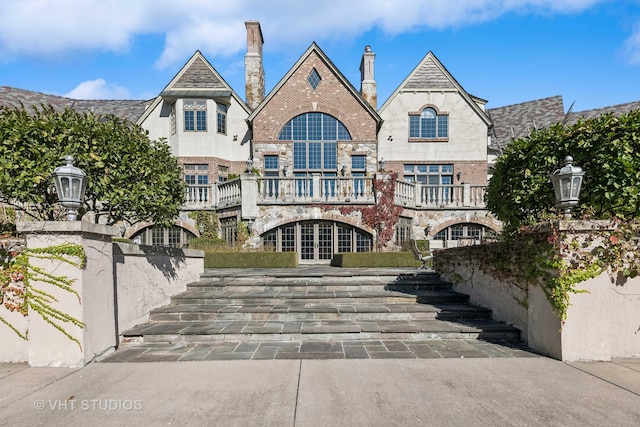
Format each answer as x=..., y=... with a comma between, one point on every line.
x=428, y=124
x=315, y=137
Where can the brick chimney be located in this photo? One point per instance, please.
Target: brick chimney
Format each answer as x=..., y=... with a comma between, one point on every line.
x=253, y=68
x=368, y=84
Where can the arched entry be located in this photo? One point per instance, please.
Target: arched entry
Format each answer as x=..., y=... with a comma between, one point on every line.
x=316, y=241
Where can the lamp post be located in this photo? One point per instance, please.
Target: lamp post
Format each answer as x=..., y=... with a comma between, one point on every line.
x=71, y=184
x=249, y=164
x=382, y=164
x=566, y=186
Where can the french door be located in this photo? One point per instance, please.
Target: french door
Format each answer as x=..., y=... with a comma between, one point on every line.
x=316, y=241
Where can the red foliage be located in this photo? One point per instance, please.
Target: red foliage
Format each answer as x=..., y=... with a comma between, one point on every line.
x=384, y=214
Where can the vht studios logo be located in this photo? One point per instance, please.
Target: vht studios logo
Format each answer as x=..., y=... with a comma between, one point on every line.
x=88, y=405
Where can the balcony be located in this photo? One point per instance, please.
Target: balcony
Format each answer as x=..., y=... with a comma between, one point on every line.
x=250, y=189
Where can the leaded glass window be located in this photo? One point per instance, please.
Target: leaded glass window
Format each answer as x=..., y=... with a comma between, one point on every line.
x=429, y=124
x=314, y=79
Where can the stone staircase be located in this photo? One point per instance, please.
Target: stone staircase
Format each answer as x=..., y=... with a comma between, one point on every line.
x=295, y=308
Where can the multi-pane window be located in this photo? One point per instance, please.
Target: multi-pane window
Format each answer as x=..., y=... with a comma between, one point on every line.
x=222, y=119
x=314, y=79
x=174, y=127
x=358, y=169
x=428, y=125
x=314, y=127
x=403, y=231
x=175, y=237
x=195, y=115
x=315, y=139
x=271, y=169
x=197, y=178
x=429, y=174
x=466, y=231
x=223, y=173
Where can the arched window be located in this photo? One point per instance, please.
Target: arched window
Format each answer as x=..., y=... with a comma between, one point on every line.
x=428, y=124
x=315, y=139
x=175, y=237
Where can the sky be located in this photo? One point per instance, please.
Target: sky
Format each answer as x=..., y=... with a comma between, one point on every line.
x=503, y=51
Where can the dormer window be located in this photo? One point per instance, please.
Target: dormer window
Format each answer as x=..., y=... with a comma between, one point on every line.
x=429, y=124
x=195, y=115
x=314, y=79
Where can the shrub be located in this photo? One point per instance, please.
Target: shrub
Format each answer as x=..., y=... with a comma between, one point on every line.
x=375, y=259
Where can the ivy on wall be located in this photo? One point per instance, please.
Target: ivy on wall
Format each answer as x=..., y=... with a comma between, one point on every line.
x=17, y=276
x=557, y=261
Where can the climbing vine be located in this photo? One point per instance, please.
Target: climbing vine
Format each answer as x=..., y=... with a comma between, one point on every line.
x=17, y=278
x=384, y=214
x=546, y=257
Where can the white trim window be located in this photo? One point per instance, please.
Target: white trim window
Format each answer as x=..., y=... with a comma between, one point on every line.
x=195, y=115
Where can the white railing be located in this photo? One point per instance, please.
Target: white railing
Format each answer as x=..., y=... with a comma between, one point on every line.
x=229, y=193
x=440, y=196
x=315, y=189
x=335, y=189
x=199, y=195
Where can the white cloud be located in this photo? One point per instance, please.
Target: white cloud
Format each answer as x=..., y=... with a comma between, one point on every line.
x=98, y=89
x=632, y=46
x=52, y=27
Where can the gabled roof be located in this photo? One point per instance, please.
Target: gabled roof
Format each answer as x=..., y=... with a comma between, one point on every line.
x=314, y=48
x=431, y=74
x=196, y=79
x=127, y=109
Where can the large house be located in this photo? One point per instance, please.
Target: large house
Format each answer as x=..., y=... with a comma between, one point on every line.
x=303, y=166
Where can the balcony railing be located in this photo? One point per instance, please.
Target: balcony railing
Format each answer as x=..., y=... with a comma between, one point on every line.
x=415, y=194
x=334, y=190
x=315, y=189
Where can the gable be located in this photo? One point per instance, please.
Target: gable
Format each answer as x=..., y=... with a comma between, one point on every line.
x=199, y=75
x=429, y=75
x=333, y=95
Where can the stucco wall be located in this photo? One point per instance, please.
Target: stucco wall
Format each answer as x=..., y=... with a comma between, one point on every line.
x=602, y=323
x=148, y=277
x=467, y=132
x=116, y=288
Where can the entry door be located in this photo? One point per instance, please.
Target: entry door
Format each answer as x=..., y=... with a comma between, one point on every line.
x=316, y=241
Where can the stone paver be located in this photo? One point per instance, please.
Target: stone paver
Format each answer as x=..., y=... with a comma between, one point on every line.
x=355, y=349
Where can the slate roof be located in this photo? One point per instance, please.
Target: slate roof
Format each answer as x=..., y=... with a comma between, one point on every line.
x=615, y=109
x=518, y=120
x=127, y=109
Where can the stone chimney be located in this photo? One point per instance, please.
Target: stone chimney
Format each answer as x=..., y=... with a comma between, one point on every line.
x=253, y=68
x=368, y=84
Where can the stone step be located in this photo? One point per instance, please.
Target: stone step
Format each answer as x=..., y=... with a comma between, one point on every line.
x=311, y=285
x=317, y=296
x=316, y=311
x=318, y=304
x=321, y=330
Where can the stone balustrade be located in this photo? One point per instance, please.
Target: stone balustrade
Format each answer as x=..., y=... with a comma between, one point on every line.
x=330, y=189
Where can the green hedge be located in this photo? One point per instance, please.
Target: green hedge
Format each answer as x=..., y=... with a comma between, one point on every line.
x=375, y=259
x=250, y=259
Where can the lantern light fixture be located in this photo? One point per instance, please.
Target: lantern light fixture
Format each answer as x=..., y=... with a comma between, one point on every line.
x=71, y=184
x=567, y=182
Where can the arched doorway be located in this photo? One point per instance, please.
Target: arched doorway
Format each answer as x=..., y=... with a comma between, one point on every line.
x=316, y=241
